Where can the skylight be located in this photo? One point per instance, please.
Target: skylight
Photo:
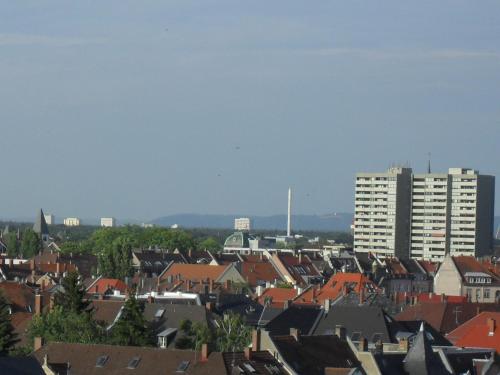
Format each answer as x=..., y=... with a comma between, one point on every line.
x=134, y=362
x=101, y=361
x=182, y=367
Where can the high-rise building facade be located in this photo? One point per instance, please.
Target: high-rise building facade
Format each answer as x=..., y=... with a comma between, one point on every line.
x=242, y=224
x=448, y=213
x=382, y=212
x=109, y=222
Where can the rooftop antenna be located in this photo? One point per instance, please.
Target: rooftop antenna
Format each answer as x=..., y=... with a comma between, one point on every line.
x=289, y=222
x=429, y=163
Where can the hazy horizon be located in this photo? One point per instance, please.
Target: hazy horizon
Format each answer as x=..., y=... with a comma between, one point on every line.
x=145, y=109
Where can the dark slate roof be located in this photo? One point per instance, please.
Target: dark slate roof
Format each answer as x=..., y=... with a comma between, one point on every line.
x=153, y=256
x=268, y=314
x=390, y=363
x=86, y=263
x=20, y=366
x=312, y=354
x=173, y=315
x=40, y=225
x=413, y=326
x=248, y=309
x=461, y=362
x=296, y=316
x=412, y=266
x=261, y=362
x=83, y=358
x=421, y=359
x=371, y=322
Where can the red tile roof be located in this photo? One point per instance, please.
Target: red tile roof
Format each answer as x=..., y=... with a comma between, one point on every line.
x=254, y=269
x=476, y=332
x=194, y=272
x=103, y=285
x=278, y=296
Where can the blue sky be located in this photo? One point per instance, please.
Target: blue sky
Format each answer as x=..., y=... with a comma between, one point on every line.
x=141, y=109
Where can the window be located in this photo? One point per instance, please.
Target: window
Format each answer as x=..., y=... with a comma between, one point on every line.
x=356, y=336
x=486, y=293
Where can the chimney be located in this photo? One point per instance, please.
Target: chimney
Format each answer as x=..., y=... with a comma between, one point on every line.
x=190, y=253
x=478, y=310
x=204, y=353
x=379, y=347
x=38, y=304
x=363, y=345
x=300, y=257
x=443, y=297
x=58, y=268
x=188, y=286
x=403, y=345
x=295, y=333
x=38, y=343
x=361, y=295
x=32, y=264
x=327, y=305
x=256, y=340
x=340, y=332
x=209, y=306
x=51, y=303
x=11, y=262
x=491, y=326
x=287, y=304
x=228, y=284
x=248, y=353
x=150, y=299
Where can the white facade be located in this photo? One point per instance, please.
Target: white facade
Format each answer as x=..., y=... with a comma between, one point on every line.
x=448, y=213
x=242, y=224
x=49, y=219
x=108, y=222
x=72, y=222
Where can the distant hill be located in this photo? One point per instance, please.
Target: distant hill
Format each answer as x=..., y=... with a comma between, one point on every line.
x=331, y=222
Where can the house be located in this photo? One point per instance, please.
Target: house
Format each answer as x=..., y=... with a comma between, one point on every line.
x=258, y=271
x=303, y=318
x=465, y=276
x=312, y=355
x=153, y=262
x=296, y=270
x=82, y=359
x=106, y=287
x=482, y=331
x=201, y=272
x=445, y=316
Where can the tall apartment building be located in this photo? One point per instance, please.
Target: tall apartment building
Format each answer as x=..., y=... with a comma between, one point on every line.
x=50, y=219
x=449, y=213
x=71, y=222
x=109, y=222
x=382, y=212
x=242, y=224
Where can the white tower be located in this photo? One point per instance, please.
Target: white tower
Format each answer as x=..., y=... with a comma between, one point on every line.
x=289, y=221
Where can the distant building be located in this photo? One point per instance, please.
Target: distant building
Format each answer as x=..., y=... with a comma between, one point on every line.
x=424, y=216
x=242, y=224
x=72, y=222
x=108, y=222
x=50, y=219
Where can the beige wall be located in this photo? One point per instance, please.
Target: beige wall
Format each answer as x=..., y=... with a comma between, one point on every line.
x=448, y=280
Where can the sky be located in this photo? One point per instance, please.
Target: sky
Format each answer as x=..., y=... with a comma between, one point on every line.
x=139, y=109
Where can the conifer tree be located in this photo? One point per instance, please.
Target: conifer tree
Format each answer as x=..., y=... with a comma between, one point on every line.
x=72, y=297
x=132, y=329
x=7, y=334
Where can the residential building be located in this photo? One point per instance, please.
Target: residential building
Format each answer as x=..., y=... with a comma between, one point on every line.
x=108, y=222
x=482, y=331
x=72, y=222
x=424, y=216
x=242, y=224
x=382, y=212
x=465, y=276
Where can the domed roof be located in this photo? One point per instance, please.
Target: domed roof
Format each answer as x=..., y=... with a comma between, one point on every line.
x=238, y=239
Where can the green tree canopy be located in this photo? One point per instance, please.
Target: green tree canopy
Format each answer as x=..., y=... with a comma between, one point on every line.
x=7, y=335
x=210, y=244
x=30, y=243
x=132, y=329
x=72, y=297
x=193, y=335
x=12, y=244
x=61, y=325
x=115, y=260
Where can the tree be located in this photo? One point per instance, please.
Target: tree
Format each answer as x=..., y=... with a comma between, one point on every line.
x=66, y=326
x=7, y=335
x=12, y=245
x=194, y=335
x=72, y=297
x=30, y=244
x=210, y=244
x=232, y=333
x=115, y=261
x=132, y=329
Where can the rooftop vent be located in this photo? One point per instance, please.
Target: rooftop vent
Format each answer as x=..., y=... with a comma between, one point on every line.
x=101, y=361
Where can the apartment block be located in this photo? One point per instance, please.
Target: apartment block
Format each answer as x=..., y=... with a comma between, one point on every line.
x=71, y=222
x=382, y=212
x=242, y=224
x=425, y=216
x=109, y=222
